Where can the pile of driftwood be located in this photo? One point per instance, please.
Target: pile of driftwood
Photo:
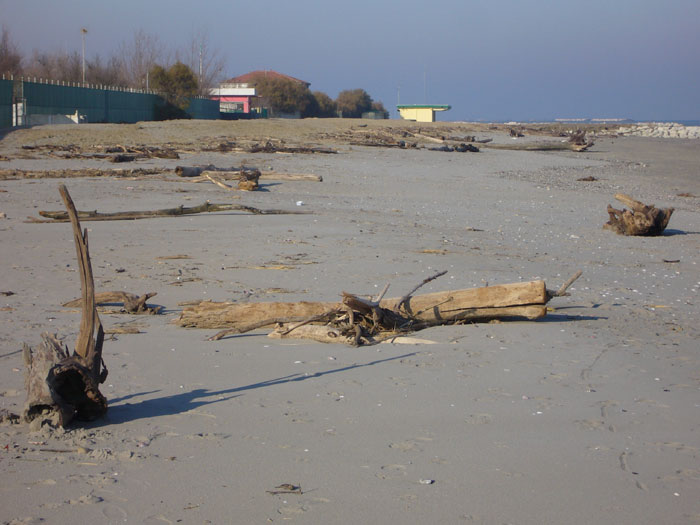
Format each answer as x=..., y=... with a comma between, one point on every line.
x=359, y=320
x=14, y=174
x=115, y=153
x=389, y=137
x=131, y=153
x=460, y=148
x=246, y=178
x=640, y=219
x=63, y=386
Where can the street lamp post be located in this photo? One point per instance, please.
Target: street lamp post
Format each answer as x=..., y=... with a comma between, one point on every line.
x=84, y=32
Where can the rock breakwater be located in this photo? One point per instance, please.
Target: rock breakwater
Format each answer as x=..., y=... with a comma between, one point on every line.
x=661, y=130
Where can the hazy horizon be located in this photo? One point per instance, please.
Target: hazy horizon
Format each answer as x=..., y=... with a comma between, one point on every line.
x=490, y=60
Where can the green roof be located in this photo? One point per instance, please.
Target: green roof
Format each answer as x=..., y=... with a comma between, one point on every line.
x=424, y=106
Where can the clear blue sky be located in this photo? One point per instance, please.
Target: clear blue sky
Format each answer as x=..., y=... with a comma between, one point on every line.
x=488, y=59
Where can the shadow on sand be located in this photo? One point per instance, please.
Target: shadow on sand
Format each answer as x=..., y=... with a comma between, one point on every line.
x=185, y=401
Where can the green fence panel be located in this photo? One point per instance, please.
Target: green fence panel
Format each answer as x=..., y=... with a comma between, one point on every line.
x=5, y=103
x=52, y=99
x=203, y=108
x=125, y=106
x=55, y=102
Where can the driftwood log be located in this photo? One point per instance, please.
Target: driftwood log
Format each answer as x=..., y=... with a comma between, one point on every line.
x=132, y=303
x=276, y=175
x=357, y=320
x=61, y=386
x=640, y=219
x=508, y=300
x=207, y=207
x=541, y=146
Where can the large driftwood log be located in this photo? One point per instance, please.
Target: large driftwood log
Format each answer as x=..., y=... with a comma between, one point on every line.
x=276, y=175
x=541, y=146
x=526, y=300
x=640, y=219
x=60, y=386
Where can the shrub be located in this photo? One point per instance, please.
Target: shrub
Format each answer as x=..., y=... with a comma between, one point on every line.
x=326, y=106
x=352, y=103
x=284, y=95
x=378, y=107
x=177, y=85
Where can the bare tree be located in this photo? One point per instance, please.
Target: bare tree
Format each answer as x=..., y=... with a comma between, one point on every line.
x=206, y=62
x=138, y=56
x=56, y=66
x=109, y=73
x=10, y=56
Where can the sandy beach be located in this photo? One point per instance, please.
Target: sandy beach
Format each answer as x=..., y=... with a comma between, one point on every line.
x=590, y=415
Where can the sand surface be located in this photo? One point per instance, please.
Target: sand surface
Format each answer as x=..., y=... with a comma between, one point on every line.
x=590, y=415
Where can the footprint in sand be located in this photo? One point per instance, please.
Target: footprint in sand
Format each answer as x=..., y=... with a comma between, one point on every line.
x=209, y=436
x=113, y=512
x=410, y=444
x=290, y=511
x=623, y=462
x=87, y=499
x=157, y=520
x=479, y=419
x=604, y=405
x=589, y=424
x=391, y=471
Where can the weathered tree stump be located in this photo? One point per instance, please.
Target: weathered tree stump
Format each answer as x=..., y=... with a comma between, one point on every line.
x=640, y=219
x=61, y=387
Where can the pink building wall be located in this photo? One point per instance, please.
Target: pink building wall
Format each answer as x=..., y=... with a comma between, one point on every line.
x=244, y=99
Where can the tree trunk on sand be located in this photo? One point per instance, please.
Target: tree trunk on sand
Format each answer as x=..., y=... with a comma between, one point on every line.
x=60, y=386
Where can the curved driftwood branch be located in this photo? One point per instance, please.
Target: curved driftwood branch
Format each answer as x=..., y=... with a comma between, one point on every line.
x=62, y=386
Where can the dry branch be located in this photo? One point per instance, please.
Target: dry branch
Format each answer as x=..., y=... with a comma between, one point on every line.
x=133, y=304
x=207, y=207
x=640, y=219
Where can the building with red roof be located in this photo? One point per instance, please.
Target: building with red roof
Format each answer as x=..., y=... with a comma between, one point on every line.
x=253, y=76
